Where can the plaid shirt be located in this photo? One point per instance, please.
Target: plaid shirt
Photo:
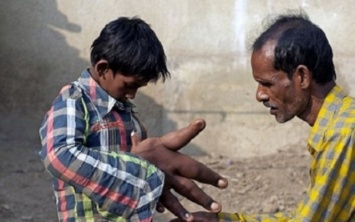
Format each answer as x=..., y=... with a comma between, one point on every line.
x=331, y=142
x=85, y=143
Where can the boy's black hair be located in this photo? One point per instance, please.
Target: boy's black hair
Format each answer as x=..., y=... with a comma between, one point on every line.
x=131, y=48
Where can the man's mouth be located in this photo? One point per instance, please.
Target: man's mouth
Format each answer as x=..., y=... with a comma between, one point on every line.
x=272, y=108
x=268, y=105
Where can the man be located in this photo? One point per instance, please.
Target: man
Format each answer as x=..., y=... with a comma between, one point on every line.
x=292, y=62
x=86, y=137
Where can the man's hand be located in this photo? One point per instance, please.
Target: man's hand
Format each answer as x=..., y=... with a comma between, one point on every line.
x=201, y=217
x=180, y=170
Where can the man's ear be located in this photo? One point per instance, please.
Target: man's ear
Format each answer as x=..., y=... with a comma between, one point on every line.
x=304, y=76
x=101, y=67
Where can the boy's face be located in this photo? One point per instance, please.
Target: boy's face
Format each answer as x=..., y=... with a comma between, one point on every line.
x=119, y=86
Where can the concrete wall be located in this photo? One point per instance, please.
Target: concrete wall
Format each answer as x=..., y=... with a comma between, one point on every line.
x=46, y=43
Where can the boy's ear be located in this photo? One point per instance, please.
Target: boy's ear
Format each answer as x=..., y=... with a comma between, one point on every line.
x=101, y=67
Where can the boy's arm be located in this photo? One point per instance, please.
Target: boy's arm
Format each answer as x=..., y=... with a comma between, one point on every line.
x=120, y=182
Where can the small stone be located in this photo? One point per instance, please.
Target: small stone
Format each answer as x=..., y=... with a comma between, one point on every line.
x=27, y=218
x=6, y=206
x=240, y=175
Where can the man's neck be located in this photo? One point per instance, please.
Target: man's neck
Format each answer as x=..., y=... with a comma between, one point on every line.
x=318, y=95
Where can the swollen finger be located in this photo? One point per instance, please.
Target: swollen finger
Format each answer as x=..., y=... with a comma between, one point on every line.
x=192, y=192
x=193, y=169
x=178, y=139
x=171, y=203
x=160, y=208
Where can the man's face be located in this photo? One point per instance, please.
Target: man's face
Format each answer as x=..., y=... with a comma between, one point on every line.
x=120, y=87
x=275, y=90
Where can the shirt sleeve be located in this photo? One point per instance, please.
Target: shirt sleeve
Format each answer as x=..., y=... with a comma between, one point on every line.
x=331, y=195
x=120, y=183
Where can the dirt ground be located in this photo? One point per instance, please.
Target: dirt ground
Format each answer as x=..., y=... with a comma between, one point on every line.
x=262, y=184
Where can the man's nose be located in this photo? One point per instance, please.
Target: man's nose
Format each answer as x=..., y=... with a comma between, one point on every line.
x=261, y=94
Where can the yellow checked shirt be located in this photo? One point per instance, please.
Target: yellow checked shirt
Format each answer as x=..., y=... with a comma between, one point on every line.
x=331, y=142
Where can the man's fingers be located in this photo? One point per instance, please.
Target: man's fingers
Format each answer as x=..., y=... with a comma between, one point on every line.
x=171, y=203
x=178, y=139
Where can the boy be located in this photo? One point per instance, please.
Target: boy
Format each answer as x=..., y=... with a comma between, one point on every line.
x=87, y=133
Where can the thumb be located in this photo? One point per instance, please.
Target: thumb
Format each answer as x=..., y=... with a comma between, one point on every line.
x=135, y=139
x=160, y=207
x=177, y=139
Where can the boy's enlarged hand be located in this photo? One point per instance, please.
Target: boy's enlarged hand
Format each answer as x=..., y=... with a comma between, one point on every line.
x=180, y=170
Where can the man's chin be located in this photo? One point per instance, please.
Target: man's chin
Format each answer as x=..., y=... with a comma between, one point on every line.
x=282, y=119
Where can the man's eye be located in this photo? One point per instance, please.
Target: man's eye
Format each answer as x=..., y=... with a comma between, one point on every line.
x=266, y=84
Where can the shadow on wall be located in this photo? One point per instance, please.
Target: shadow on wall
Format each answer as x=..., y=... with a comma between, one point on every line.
x=35, y=60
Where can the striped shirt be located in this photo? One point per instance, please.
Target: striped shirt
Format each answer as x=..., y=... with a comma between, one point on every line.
x=85, y=147
x=331, y=142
